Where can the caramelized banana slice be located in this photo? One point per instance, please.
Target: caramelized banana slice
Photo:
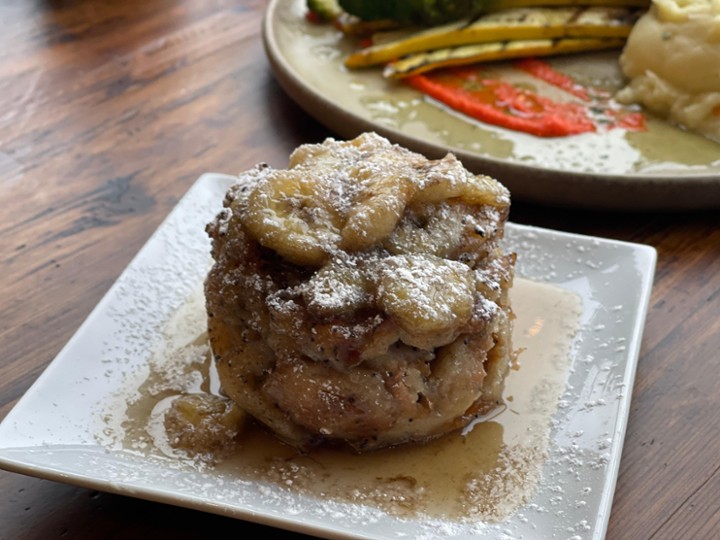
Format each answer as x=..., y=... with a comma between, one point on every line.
x=426, y=294
x=376, y=213
x=203, y=422
x=427, y=228
x=289, y=213
x=337, y=289
x=448, y=179
x=387, y=188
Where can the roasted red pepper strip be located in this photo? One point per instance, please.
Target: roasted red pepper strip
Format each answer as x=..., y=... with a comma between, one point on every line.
x=545, y=72
x=502, y=104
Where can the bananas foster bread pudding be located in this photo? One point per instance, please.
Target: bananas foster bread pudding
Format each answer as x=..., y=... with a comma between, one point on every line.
x=360, y=297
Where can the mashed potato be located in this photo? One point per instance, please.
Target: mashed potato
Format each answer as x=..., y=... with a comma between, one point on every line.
x=672, y=59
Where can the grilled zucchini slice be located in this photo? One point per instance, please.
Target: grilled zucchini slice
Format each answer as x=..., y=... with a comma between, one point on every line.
x=514, y=24
x=497, y=50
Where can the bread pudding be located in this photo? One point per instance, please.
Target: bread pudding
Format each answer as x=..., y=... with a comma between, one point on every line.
x=360, y=297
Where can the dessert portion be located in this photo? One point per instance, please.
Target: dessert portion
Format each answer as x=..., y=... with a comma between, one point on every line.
x=360, y=297
x=672, y=58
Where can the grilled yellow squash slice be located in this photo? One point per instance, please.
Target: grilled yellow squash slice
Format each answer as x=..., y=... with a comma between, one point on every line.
x=513, y=24
x=497, y=50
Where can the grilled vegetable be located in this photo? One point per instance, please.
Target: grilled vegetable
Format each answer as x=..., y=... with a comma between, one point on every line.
x=433, y=12
x=497, y=50
x=514, y=24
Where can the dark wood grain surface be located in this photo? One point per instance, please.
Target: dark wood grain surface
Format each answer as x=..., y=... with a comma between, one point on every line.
x=110, y=110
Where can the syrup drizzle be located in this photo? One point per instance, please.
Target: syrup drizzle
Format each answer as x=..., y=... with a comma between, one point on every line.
x=485, y=473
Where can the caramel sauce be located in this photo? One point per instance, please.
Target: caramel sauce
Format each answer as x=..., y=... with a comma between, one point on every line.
x=485, y=473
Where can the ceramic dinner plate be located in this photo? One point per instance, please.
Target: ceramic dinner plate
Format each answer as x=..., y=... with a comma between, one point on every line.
x=661, y=168
x=60, y=429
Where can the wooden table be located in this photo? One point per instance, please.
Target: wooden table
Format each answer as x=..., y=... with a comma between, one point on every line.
x=109, y=111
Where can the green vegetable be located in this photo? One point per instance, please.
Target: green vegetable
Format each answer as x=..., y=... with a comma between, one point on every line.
x=425, y=12
x=434, y=12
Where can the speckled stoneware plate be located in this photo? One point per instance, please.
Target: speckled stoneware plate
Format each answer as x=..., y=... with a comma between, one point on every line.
x=60, y=429
x=663, y=168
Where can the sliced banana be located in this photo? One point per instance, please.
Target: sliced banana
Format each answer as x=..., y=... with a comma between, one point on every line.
x=377, y=210
x=386, y=186
x=290, y=213
x=448, y=179
x=426, y=294
x=203, y=422
x=337, y=288
x=429, y=228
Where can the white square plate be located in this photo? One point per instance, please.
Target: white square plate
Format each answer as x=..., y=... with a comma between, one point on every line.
x=55, y=430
